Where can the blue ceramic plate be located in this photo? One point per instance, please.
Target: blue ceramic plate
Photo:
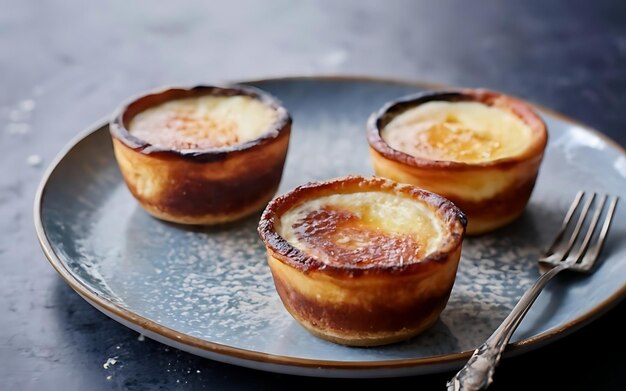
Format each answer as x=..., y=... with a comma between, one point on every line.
x=209, y=290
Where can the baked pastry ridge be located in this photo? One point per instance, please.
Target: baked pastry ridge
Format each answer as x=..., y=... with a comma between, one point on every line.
x=203, y=155
x=363, y=261
x=480, y=149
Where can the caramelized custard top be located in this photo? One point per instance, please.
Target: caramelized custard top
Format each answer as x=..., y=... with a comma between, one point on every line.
x=470, y=132
x=205, y=122
x=362, y=229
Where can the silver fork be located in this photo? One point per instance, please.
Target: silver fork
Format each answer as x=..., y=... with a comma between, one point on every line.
x=477, y=374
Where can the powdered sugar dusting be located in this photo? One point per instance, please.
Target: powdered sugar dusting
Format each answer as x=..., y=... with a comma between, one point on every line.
x=214, y=283
x=493, y=273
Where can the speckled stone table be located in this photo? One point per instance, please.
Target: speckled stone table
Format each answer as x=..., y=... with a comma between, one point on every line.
x=65, y=65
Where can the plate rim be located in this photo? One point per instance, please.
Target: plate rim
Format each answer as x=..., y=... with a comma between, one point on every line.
x=166, y=333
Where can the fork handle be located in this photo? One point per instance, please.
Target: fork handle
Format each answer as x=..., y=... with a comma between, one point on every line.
x=477, y=374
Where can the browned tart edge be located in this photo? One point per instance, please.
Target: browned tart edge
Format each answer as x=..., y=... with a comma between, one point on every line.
x=203, y=186
x=484, y=215
x=381, y=304
x=454, y=221
x=379, y=119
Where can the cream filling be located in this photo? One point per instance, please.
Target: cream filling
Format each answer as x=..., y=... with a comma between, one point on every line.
x=382, y=212
x=204, y=122
x=469, y=132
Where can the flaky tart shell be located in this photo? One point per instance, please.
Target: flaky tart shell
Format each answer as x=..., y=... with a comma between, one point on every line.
x=363, y=306
x=493, y=193
x=201, y=186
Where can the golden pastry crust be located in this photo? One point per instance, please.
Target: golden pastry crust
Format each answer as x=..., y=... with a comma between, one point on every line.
x=492, y=193
x=201, y=186
x=369, y=303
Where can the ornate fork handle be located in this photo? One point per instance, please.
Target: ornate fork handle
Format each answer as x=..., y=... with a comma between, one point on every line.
x=478, y=372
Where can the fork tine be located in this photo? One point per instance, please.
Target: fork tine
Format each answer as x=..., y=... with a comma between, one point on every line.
x=592, y=227
x=577, y=228
x=568, y=216
x=563, y=253
x=592, y=255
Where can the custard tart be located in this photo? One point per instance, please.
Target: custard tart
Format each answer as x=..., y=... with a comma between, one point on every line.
x=202, y=155
x=363, y=261
x=480, y=149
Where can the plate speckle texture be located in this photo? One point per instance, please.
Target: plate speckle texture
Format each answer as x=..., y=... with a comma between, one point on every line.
x=214, y=284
